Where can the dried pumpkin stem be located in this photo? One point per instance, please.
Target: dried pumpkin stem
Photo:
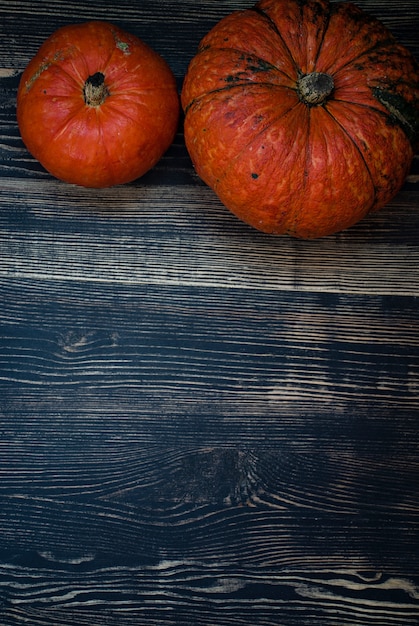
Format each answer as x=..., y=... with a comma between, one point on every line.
x=315, y=88
x=95, y=91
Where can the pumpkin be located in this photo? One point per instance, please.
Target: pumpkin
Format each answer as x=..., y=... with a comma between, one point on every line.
x=97, y=106
x=301, y=115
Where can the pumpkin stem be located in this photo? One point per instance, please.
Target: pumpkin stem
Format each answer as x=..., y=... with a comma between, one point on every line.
x=95, y=91
x=315, y=88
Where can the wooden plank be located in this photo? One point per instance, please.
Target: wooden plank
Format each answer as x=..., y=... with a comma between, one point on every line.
x=188, y=594
x=305, y=353
x=173, y=29
x=179, y=235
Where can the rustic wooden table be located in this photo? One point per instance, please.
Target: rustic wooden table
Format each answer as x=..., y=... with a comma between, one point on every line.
x=199, y=424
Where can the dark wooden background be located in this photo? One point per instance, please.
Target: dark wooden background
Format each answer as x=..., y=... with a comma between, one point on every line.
x=199, y=424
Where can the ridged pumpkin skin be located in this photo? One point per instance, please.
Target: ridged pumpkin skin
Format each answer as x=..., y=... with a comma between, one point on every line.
x=97, y=106
x=276, y=154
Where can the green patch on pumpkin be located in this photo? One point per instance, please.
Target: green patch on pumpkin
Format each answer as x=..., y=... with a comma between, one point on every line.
x=401, y=112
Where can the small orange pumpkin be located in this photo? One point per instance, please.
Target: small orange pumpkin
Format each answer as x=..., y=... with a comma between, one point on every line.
x=301, y=115
x=97, y=106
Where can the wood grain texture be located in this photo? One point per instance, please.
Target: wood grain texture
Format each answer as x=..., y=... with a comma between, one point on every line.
x=200, y=425
x=181, y=235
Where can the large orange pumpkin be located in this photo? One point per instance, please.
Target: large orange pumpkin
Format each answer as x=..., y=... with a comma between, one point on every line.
x=301, y=115
x=97, y=106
